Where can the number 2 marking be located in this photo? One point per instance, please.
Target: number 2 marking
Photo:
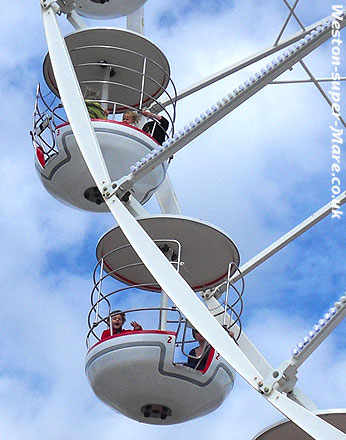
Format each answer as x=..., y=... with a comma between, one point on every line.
x=169, y=339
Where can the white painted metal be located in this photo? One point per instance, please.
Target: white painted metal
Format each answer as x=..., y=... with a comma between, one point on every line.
x=251, y=352
x=76, y=21
x=317, y=428
x=130, y=371
x=230, y=103
x=107, y=9
x=298, y=396
x=325, y=330
x=246, y=346
x=206, y=252
x=66, y=176
x=105, y=87
x=167, y=198
x=135, y=208
x=163, y=312
x=301, y=81
x=135, y=21
x=286, y=430
x=291, y=13
x=320, y=89
x=242, y=64
x=73, y=100
x=290, y=236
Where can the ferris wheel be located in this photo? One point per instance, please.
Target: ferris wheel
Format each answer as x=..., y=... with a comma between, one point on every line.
x=89, y=158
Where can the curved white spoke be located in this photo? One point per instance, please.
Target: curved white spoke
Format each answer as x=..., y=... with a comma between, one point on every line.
x=309, y=422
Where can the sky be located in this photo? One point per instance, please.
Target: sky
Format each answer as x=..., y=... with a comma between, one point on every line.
x=256, y=174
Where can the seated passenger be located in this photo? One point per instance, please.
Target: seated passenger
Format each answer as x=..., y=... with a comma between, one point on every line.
x=202, y=352
x=93, y=106
x=131, y=117
x=95, y=110
x=118, y=319
x=157, y=127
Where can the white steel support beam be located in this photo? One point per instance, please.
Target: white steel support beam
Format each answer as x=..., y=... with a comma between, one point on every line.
x=163, y=311
x=291, y=13
x=135, y=208
x=76, y=20
x=244, y=342
x=319, y=88
x=72, y=98
x=290, y=236
x=135, y=21
x=240, y=65
x=298, y=396
x=304, y=418
x=167, y=198
x=227, y=105
x=284, y=378
x=302, y=81
x=326, y=325
x=282, y=30
x=254, y=355
x=66, y=6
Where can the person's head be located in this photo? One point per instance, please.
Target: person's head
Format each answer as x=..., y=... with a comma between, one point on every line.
x=197, y=335
x=90, y=93
x=131, y=117
x=118, y=319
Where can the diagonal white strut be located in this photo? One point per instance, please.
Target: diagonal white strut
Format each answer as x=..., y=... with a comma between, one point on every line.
x=161, y=269
x=229, y=103
x=289, y=237
x=72, y=98
x=239, y=65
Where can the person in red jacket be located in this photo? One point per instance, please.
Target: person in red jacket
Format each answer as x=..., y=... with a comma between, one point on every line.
x=118, y=319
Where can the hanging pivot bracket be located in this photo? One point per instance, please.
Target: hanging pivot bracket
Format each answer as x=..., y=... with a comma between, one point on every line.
x=45, y=4
x=67, y=6
x=103, y=64
x=109, y=190
x=59, y=6
x=113, y=188
x=283, y=379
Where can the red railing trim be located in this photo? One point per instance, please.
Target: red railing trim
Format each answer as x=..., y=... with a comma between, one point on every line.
x=113, y=122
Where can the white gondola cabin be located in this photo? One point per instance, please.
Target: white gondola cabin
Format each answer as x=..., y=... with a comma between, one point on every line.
x=135, y=374
x=124, y=71
x=142, y=373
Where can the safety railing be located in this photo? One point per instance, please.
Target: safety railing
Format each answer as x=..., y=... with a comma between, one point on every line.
x=108, y=86
x=109, y=292
x=231, y=302
x=103, y=293
x=147, y=317
x=48, y=114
